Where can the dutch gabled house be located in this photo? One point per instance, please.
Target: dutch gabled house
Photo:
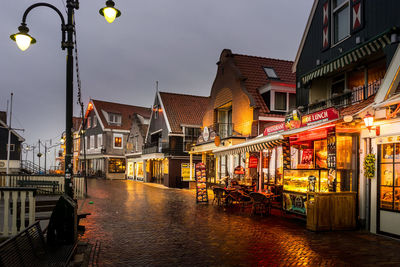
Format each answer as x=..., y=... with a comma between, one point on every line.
x=175, y=125
x=348, y=59
x=134, y=147
x=248, y=94
x=107, y=129
x=15, y=147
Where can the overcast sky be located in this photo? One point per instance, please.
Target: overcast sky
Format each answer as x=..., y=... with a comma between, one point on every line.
x=175, y=42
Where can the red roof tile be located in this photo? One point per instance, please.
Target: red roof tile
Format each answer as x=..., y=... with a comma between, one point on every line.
x=354, y=109
x=184, y=109
x=252, y=68
x=126, y=112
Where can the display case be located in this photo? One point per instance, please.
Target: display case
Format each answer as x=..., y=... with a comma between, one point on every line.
x=297, y=180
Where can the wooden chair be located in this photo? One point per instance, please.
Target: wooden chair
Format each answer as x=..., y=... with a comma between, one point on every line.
x=261, y=204
x=219, y=196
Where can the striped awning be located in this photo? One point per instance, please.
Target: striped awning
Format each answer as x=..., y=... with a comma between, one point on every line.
x=253, y=145
x=350, y=57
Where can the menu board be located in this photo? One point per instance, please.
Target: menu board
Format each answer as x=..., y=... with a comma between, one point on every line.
x=201, y=185
x=286, y=154
x=331, y=148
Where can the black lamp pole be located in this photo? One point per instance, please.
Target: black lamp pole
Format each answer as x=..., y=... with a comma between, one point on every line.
x=67, y=32
x=66, y=29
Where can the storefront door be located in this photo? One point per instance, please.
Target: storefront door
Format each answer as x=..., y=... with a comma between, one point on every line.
x=388, y=206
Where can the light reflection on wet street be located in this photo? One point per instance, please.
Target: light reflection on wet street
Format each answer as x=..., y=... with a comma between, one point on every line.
x=140, y=224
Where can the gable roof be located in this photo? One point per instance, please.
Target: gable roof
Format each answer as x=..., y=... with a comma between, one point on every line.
x=183, y=109
x=126, y=112
x=252, y=68
x=304, y=37
x=5, y=126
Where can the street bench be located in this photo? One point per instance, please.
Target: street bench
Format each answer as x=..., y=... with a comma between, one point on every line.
x=37, y=184
x=28, y=248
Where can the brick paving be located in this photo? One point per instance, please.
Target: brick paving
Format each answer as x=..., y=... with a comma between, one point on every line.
x=138, y=224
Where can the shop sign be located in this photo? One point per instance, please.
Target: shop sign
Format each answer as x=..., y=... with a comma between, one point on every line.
x=185, y=171
x=320, y=116
x=293, y=120
x=276, y=128
x=253, y=162
x=206, y=134
x=388, y=139
x=239, y=170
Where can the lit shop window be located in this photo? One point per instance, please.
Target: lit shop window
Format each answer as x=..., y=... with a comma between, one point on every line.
x=116, y=165
x=389, y=170
x=117, y=141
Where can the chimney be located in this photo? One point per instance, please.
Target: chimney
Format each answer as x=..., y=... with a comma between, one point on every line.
x=3, y=116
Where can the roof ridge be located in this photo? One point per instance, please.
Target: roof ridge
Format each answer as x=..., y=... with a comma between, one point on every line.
x=183, y=94
x=270, y=58
x=120, y=104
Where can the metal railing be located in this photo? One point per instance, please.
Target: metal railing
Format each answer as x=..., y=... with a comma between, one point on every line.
x=31, y=167
x=349, y=97
x=78, y=183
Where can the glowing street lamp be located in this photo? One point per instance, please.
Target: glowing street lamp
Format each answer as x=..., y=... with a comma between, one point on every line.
x=22, y=38
x=369, y=121
x=110, y=12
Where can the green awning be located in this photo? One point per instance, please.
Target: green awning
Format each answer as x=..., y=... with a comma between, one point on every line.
x=350, y=57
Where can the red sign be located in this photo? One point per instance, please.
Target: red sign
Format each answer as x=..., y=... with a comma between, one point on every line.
x=307, y=157
x=253, y=162
x=320, y=116
x=239, y=170
x=276, y=128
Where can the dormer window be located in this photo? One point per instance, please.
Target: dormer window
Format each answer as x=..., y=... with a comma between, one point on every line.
x=114, y=118
x=271, y=73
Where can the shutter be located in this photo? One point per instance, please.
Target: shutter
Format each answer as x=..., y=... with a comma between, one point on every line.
x=325, y=25
x=356, y=15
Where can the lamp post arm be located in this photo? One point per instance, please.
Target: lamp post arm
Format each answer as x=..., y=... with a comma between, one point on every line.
x=63, y=26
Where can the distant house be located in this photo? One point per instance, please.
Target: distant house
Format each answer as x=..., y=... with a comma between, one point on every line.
x=174, y=127
x=76, y=125
x=106, y=133
x=15, y=147
x=134, y=147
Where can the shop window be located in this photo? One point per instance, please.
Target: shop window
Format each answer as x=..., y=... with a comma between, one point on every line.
x=389, y=173
x=116, y=165
x=280, y=101
x=341, y=20
x=117, y=140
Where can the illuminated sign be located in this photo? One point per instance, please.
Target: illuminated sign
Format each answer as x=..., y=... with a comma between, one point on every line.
x=320, y=116
x=276, y=128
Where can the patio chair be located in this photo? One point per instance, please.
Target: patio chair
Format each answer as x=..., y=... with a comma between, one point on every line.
x=261, y=204
x=219, y=195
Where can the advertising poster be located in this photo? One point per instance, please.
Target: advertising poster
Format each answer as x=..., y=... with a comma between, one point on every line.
x=185, y=171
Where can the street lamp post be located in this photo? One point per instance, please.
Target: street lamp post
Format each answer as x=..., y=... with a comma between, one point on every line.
x=23, y=40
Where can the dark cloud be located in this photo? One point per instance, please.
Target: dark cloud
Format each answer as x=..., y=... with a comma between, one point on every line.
x=176, y=42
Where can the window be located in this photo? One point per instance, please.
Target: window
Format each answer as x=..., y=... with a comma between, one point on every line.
x=116, y=165
x=92, y=142
x=136, y=143
x=117, y=140
x=389, y=173
x=271, y=73
x=155, y=111
x=280, y=101
x=12, y=147
x=338, y=85
x=99, y=140
x=94, y=121
x=292, y=101
x=114, y=118
x=341, y=20
x=191, y=135
x=88, y=123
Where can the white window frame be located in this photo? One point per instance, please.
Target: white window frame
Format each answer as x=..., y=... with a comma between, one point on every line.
x=88, y=123
x=99, y=140
x=94, y=121
x=114, y=118
x=12, y=147
x=122, y=141
x=333, y=11
x=92, y=146
x=136, y=143
x=86, y=144
x=272, y=99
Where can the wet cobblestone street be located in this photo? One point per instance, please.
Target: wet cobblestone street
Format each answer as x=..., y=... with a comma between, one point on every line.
x=147, y=225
